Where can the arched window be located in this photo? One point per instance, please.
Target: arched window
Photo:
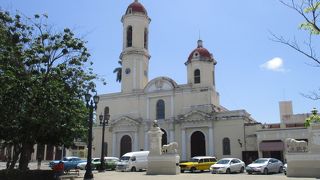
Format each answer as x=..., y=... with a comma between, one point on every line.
x=197, y=76
x=129, y=36
x=146, y=38
x=226, y=146
x=160, y=114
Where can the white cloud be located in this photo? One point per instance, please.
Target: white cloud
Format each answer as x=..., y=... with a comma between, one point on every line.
x=275, y=64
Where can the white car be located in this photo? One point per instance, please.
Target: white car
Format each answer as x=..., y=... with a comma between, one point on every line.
x=94, y=162
x=265, y=166
x=228, y=165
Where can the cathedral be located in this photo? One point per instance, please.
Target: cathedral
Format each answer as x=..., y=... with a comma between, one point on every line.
x=189, y=114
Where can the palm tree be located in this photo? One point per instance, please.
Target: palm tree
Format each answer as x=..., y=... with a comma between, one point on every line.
x=118, y=70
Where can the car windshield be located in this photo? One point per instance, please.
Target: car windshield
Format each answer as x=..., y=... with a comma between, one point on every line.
x=223, y=161
x=260, y=161
x=125, y=158
x=194, y=160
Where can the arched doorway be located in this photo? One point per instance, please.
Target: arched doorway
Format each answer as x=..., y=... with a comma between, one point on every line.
x=198, y=144
x=164, y=137
x=125, y=145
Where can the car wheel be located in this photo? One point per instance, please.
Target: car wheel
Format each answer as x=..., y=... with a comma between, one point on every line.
x=249, y=172
x=182, y=171
x=265, y=171
x=193, y=169
x=228, y=171
x=242, y=169
x=280, y=169
x=133, y=169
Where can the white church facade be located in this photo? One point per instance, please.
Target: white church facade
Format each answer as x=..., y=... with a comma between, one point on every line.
x=189, y=114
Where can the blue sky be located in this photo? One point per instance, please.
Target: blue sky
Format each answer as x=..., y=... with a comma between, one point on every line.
x=237, y=33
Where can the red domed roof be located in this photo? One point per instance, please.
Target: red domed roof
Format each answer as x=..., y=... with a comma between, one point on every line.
x=200, y=53
x=136, y=7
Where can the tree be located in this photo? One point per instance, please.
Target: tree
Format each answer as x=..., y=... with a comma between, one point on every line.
x=118, y=70
x=309, y=10
x=313, y=118
x=43, y=76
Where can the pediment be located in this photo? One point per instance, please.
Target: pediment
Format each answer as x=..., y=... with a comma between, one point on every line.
x=160, y=83
x=125, y=121
x=195, y=116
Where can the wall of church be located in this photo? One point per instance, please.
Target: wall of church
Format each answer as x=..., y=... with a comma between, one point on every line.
x=232, y=129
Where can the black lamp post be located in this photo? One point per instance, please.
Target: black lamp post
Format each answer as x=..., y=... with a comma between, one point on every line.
x=103, y=122
x=91, y=106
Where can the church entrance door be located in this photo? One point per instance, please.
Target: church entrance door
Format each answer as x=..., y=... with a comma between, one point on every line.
x=198, y=144
x=164, y=137
x=125, y=145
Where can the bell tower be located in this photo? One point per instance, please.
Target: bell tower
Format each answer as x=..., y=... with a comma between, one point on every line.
x=135, y=56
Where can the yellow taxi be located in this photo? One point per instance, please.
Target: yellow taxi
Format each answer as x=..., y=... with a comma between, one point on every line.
x=201, y=163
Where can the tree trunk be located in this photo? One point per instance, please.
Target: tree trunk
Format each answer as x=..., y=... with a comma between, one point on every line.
x=25, y=156
x=15, y=157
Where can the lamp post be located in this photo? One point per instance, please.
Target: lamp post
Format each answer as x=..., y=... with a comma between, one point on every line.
x=91, y=106
x=103, y=122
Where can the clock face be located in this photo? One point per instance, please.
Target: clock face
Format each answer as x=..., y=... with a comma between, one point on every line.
x=127, y=70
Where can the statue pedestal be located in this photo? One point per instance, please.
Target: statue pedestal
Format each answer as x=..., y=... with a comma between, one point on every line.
x=303, y=165
x=306, y=164
x=162, y=163
x=166, y=164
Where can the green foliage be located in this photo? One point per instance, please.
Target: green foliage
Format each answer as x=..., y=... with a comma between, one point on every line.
x=310, y=12
x=118, y=70
x=43, y=77
x=313, y=118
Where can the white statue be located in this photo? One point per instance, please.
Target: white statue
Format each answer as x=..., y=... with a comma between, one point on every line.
x=296, y=146
x=170, y=148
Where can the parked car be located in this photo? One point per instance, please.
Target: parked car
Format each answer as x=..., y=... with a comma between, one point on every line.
x=201, y=163
x=111, y=162
x=94, y=164
x=265, y=166
x=69, y=163
x=228, y=165
x=285, y=166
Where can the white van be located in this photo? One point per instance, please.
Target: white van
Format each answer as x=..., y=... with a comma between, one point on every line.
x=133, y=161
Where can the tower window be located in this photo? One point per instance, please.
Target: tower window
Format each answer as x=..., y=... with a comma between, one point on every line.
x=129, y=36
x=226, y=146
x=129, y=11
x=146, y=38
x=160, y=114
x=197, y=76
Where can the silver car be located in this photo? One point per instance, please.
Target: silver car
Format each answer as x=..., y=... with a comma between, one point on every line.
x=265, y=166
x=228, y=165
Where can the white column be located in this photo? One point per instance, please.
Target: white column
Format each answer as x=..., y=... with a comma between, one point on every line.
x=136, y=141
x=183, y=145
x=148, y=115
x=45, y=152
x=211, y=143
x=114, y=145
x=171, y=136
x=172, y=106
x=146, y=140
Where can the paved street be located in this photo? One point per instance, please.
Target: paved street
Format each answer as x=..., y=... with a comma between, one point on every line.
x=112, y=175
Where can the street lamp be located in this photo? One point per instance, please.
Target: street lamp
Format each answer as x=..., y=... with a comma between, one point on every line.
x=103, y=122
x=91, y=106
